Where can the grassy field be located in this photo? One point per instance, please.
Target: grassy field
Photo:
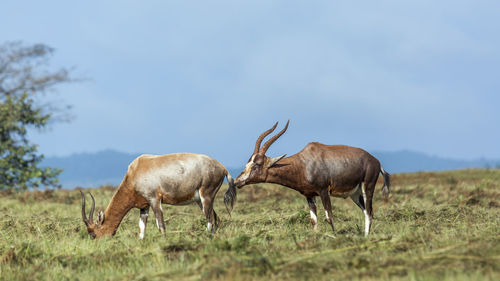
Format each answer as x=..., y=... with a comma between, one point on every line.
x=435, y=226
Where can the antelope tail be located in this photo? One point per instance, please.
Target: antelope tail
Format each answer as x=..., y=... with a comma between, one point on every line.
x=386, y=189
x=230, y=195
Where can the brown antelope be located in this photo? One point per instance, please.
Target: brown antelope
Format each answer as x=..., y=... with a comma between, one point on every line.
x=151, y=180
x=318, y=170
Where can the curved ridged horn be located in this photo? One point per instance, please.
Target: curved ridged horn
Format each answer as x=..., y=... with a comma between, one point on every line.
x=268, y=143
x=86, y=220
x=261, y=138
x=84, y=216
x=91, y=215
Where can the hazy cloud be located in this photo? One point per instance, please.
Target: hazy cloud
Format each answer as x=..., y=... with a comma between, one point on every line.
x=210, y=76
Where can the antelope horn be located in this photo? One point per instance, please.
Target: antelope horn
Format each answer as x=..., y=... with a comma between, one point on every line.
x=273, y=139
x=91, y=215
x=84, y=216
x=262, y=136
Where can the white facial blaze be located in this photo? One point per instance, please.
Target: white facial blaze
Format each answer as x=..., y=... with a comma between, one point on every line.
x=247, y=170
x=326, y=214
x=209, y=226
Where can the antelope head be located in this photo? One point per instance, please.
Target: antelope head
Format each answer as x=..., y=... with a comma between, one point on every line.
x=94, y=229
x=256, y=169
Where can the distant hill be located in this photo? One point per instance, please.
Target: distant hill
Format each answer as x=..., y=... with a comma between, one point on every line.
x=410, y=161
x=91, y=169
x=109, y=166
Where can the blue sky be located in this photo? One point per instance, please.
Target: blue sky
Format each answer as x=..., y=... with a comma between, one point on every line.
x=210, y=76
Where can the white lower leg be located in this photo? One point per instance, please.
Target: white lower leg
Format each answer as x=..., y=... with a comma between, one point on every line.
x=314, y=219
x=368, y=222
x=202, y=202
x=142, y=228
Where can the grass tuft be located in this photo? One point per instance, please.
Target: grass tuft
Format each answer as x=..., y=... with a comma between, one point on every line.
x=434, y=226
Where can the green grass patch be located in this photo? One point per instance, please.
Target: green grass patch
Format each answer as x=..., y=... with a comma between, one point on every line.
x=434, y=226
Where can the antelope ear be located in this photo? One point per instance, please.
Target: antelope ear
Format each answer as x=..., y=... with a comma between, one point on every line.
x=274, y=160
x=100, y=218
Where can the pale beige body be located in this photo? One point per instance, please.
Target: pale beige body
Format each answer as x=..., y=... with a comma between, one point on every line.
x=153, y=180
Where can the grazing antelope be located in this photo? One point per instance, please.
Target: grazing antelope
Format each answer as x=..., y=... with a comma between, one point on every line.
x=151, y=180
x=318, y=170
